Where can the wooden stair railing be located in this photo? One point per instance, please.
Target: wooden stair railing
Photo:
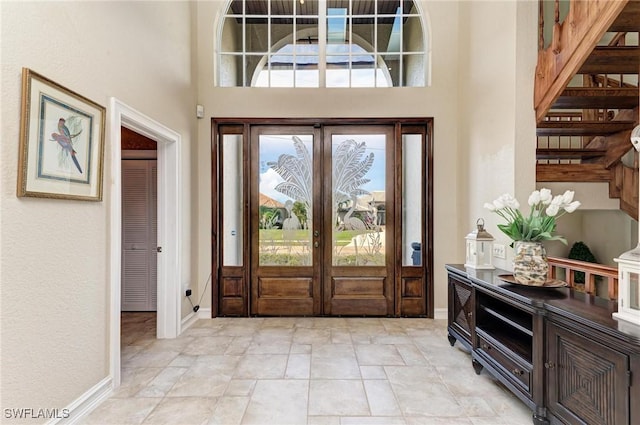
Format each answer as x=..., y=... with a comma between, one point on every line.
x=565, y=269
x=624, y=185
x=572, y=42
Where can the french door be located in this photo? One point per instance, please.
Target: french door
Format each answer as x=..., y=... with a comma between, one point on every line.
x=306, y=220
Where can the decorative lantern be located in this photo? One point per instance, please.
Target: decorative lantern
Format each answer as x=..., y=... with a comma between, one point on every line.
x=629, y=270
x=479, y=252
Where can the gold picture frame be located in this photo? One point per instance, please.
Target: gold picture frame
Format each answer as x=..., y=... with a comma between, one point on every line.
x=61, y=142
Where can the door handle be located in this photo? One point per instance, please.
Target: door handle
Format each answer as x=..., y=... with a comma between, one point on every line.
x=159, y=249
x=316, y=233
x=316, y=244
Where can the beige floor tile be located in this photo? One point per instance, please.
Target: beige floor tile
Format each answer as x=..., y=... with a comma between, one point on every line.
x=378, y=355
x=373, y=372
x=300, y=348
x=240, y=387
x=183, y=360
x=312, y=336
x=415, y=404
x=423, y=420
x=298, y=366
x=476, y=407
x=392, y=338
x=338, y=397
x=115, y=411
x=208, y=345
x=261, y=366
x=203, y=379
x=162, y=383
x=278, y=402
x=133, y=379
x=411, y=355
x=372, y=420
x=382, y=400
x=183, y=411
x=239, y=345
x=341, y=336
x=229, y=411
x=323, y=420
x=318, y=371
x=269, y=348
x=152, y=359
x=335, y=361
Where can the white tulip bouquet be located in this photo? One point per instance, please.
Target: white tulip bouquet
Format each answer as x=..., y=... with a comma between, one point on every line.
x=540, y=225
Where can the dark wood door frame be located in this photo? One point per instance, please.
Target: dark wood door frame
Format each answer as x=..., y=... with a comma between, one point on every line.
x=412, y=286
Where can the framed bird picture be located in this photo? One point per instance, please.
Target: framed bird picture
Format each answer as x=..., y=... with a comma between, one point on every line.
x=61, y=142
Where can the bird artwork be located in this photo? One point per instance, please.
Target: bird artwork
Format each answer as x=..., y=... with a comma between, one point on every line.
x=65, y=141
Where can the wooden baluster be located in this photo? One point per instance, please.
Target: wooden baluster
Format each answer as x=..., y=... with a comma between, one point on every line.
x=571, y=278
x=555, y=44
x=540, y=25
x=589, y=283
x=612, y=288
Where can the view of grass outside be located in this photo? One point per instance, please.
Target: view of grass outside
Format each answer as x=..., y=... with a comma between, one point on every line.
x=292, y=247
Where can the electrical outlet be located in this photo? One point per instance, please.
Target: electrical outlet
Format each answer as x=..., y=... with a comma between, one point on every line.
x=499, y=251
x=188, y=292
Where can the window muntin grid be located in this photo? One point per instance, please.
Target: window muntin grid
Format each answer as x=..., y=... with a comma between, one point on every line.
x=269, y=43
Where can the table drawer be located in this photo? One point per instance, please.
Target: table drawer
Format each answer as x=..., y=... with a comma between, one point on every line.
x=516, y=372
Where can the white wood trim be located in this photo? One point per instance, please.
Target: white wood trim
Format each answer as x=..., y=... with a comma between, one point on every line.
x=187, y=321
x=85, y=404
x=191, y=318
x=440, y=314
x=169, y=224
x=204, y=313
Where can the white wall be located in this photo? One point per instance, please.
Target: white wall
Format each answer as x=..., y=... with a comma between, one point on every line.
x=496, y=119
x=607, y=233
x=54, y=262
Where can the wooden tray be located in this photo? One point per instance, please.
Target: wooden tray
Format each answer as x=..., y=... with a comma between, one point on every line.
x=550, y=283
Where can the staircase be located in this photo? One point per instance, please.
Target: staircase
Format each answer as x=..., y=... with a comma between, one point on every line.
x=587, y=96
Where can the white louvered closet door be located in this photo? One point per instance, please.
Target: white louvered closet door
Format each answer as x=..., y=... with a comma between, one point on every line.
x=139, y=235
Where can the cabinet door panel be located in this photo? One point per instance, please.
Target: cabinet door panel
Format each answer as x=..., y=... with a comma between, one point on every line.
x=587, y=381
x=461, y=307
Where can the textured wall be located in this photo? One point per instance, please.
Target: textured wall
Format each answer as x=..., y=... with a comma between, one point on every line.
x=54, y=253
x=496, y=115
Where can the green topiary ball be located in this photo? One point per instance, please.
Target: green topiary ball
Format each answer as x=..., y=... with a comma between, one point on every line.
x=580, y=251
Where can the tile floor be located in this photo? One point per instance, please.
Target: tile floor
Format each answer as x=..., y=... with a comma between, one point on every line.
x=333, y=371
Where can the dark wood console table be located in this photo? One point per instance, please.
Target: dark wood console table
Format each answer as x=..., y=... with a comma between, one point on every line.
x=558, y=350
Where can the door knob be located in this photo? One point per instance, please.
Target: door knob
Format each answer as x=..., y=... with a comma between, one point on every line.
x=159, y=249
x=316, y=244
x=316, y=233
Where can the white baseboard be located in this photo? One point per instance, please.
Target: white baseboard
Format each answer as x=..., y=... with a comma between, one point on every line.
x=86, y=403
x=440, y=314
x=204, y=313
x=191, y=318
x=187, y=321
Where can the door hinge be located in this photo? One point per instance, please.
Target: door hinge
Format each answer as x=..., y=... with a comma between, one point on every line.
x=629, y=375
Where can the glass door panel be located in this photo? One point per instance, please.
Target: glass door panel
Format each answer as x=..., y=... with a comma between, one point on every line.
x=358, y=276
x=285, y=254
x=285, y=200
x=358, y=199
x=412, y=189
x=232, y=202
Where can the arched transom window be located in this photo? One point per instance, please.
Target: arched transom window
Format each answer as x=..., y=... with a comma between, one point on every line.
x=322, y=43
